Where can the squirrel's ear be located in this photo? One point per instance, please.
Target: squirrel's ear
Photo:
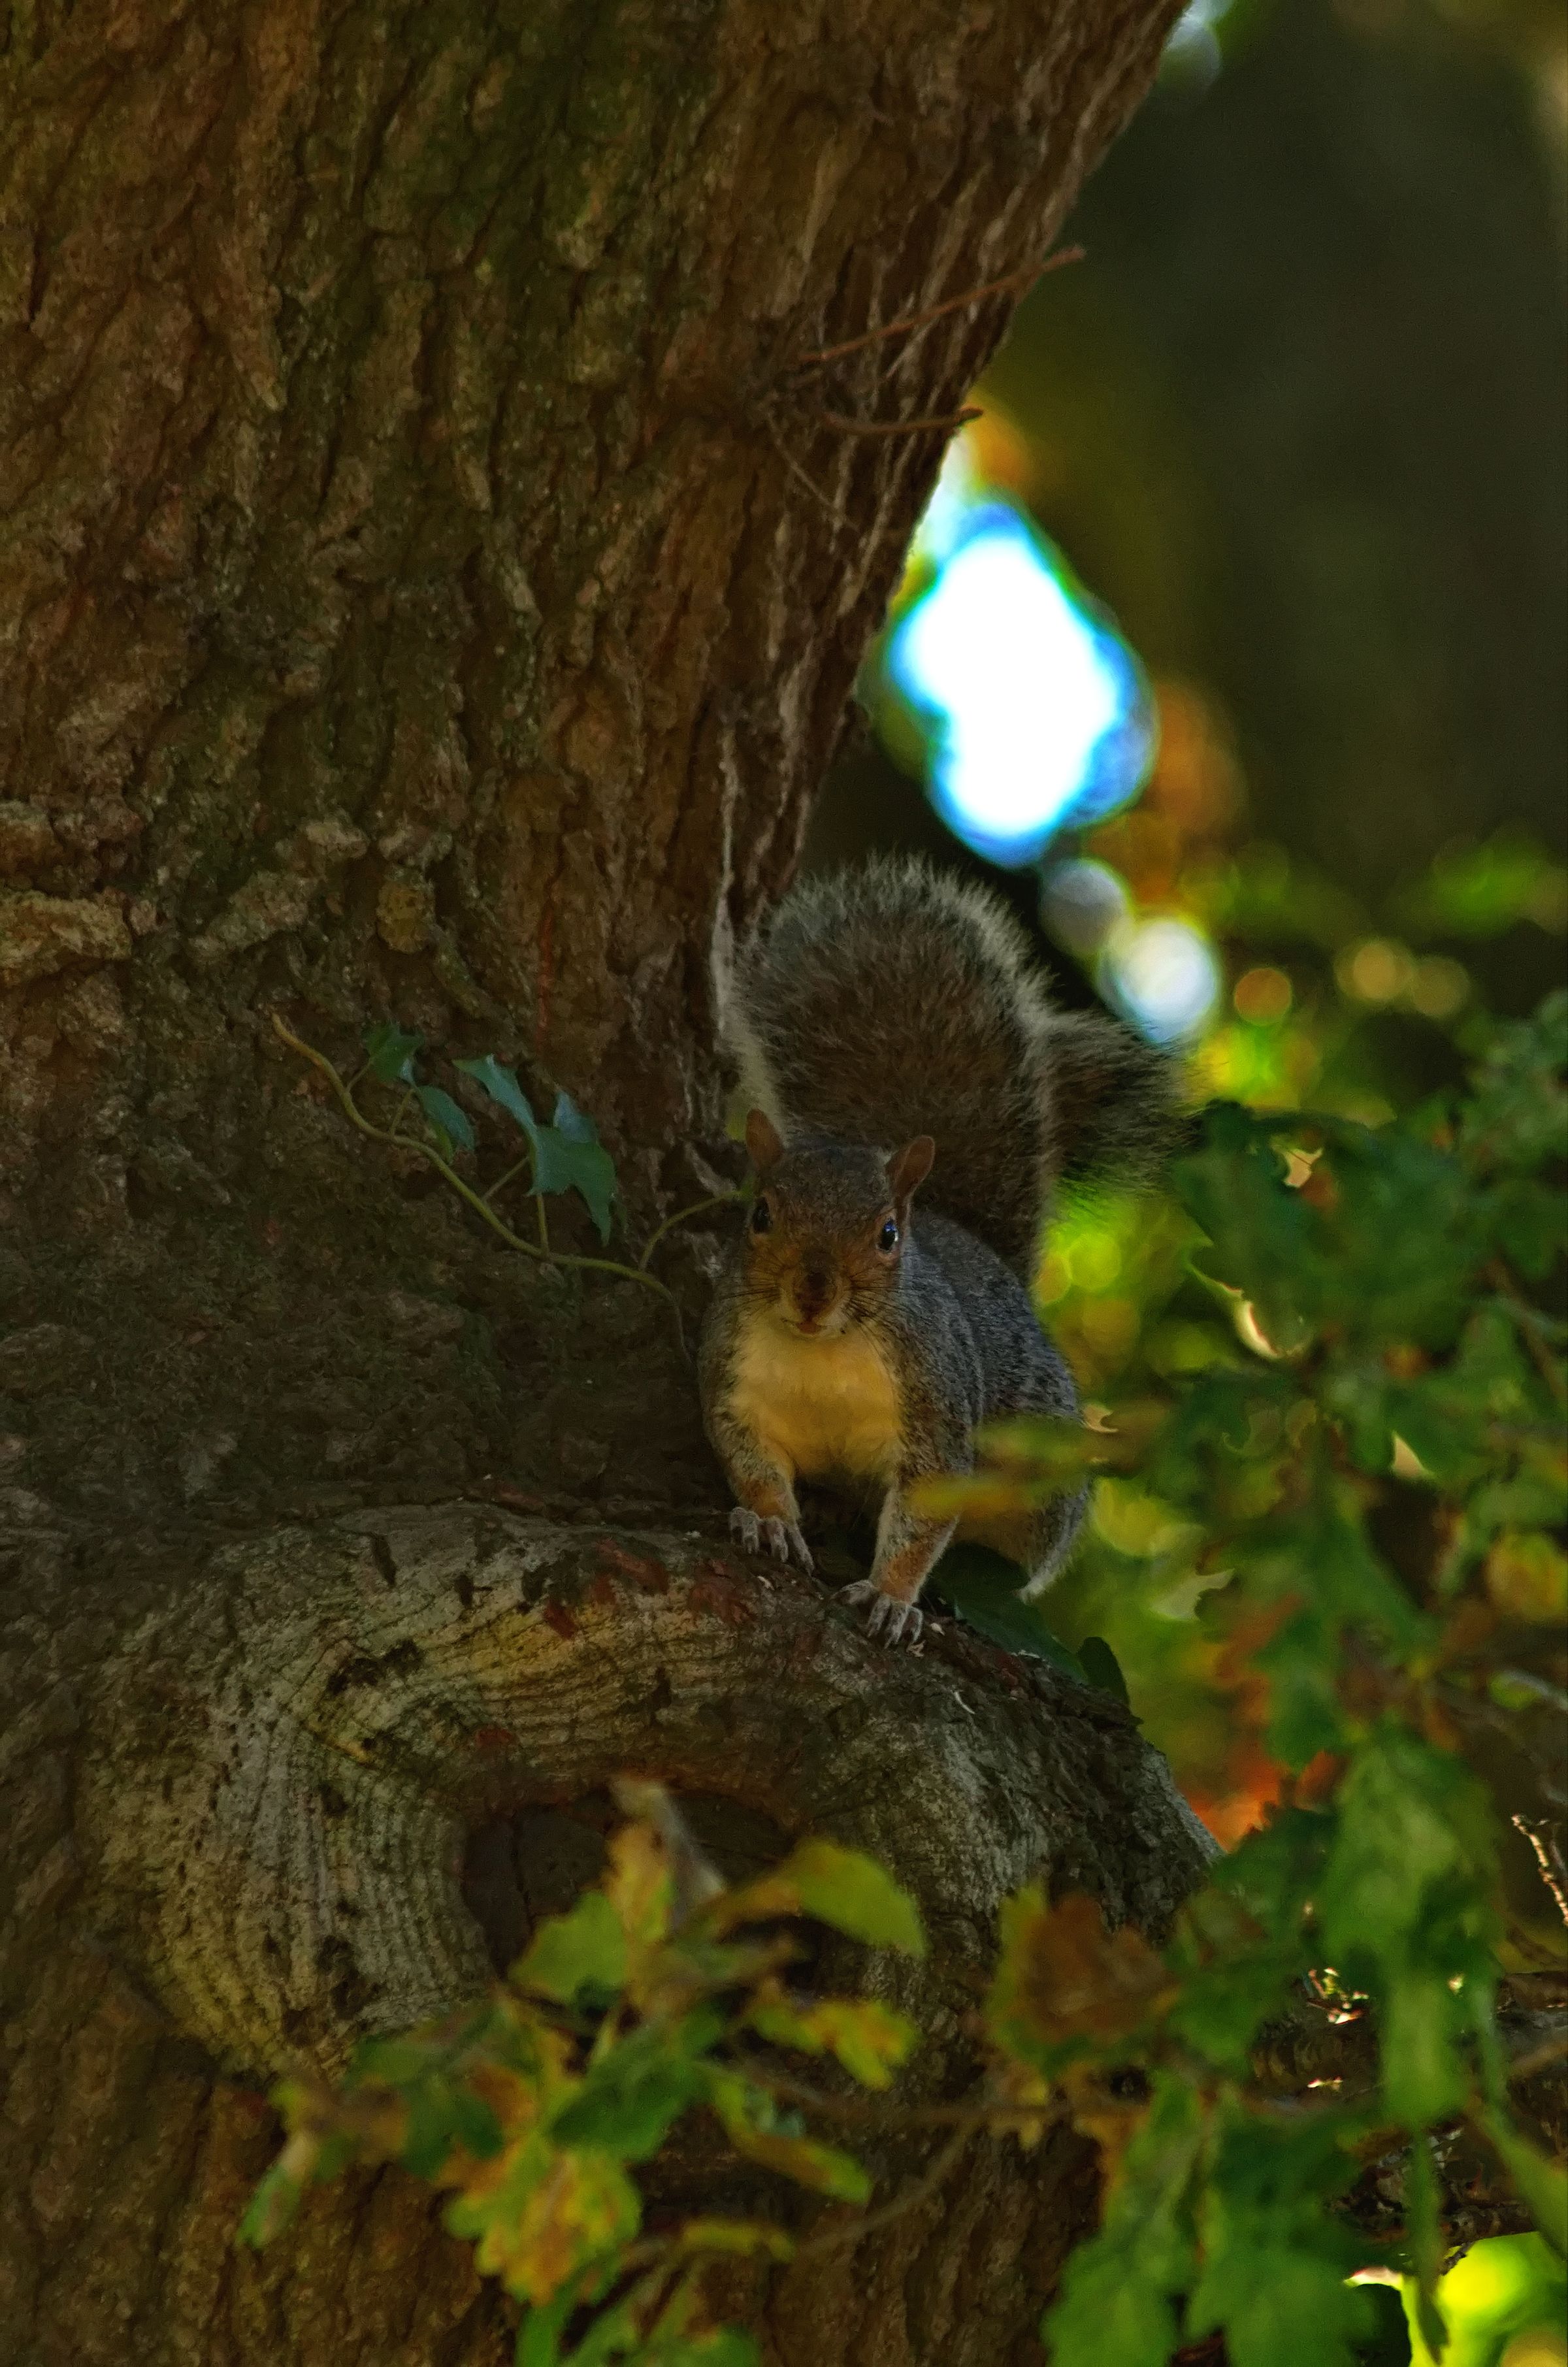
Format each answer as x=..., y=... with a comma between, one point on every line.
x=763, y=1140
x=908, y=1168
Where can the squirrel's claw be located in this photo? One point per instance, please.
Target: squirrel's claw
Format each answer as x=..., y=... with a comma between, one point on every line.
x=782, y=1539
x=888, y=1619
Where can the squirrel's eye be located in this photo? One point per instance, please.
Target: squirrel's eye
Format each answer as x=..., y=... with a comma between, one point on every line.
x=887, y=1238
x=761, y=1217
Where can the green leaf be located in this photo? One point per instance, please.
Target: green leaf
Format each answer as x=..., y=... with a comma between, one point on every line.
x=986, y=1589
x=1423, y=2234
x=589, y=1167
x=503, y=1088
x=583, y=1950
x=851, y=1892
x=756, y=2129
x=726, y=2346
x=1118, y=2288
x=449, y=1124
x=1275, y=2263
x=842, y=1887
x=539, y=2335
x=278, y=2194
x=631, y=2097
x=432, y=2130
x=573, y=1123
x=551, y=1170
x=389, y=1051
x=1102, y=1668
x=1542, y=2182
x=1406, y=1909
x=567, y=1154
x=1302, y=1663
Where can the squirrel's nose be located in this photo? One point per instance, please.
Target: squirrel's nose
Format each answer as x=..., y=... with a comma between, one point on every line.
x=813, y=1288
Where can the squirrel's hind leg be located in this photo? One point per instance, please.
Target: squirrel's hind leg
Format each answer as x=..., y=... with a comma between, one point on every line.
x=1053, y=1533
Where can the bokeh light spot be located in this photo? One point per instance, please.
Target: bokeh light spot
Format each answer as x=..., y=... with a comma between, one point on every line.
x=1163, y=976
x=1262, y=996
x=1377, y=970
x=1438, y=987
x=1026, y=707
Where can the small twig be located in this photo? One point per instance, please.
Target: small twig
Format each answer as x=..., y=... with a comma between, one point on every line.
x=824, y=501
x=920, y=2191
x=849, y=426
x=912, y=320
x=480, y=1206
x=1548, y=1857
x=698, y=1208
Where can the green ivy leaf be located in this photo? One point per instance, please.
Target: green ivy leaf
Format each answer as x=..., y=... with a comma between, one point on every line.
x=447, y=1122
x=567, y=1154
x=589, y=1167
x=389, y=1051
x=501, y=1085
x=584, y=1949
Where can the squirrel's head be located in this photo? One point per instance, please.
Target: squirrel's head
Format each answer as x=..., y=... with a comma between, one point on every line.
x=825, y=1235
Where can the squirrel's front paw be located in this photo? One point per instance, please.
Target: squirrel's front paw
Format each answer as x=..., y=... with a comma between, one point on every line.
x=887, y=1618
x=780, y=1538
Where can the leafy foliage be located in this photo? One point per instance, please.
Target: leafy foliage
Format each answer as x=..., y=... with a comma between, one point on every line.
x=1389, y=1386
x=645, y=2002
x=1356, y=1466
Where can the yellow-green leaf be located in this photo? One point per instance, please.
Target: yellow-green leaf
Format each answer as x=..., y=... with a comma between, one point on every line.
x=582, y=2206
x=840, y=1886
x=735, y=2236
x=583, y=1949
x=868, y=2039
x=753, y=2128
x=638, y=1885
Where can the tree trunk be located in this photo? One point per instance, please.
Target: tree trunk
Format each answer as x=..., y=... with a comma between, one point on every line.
x=432, y=590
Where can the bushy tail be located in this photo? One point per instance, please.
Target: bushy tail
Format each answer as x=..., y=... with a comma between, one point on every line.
x=890, y=1001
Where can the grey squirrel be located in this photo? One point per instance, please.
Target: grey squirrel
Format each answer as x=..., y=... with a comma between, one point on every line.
x=893, y=1032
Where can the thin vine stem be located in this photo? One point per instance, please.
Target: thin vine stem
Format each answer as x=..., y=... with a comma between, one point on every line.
x=698, y=1208
x=475, y=1200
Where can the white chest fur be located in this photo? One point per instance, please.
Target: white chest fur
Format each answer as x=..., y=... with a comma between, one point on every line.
x=821, y=1405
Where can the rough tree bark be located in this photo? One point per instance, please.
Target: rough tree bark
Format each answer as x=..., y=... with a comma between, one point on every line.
x=432, y=589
